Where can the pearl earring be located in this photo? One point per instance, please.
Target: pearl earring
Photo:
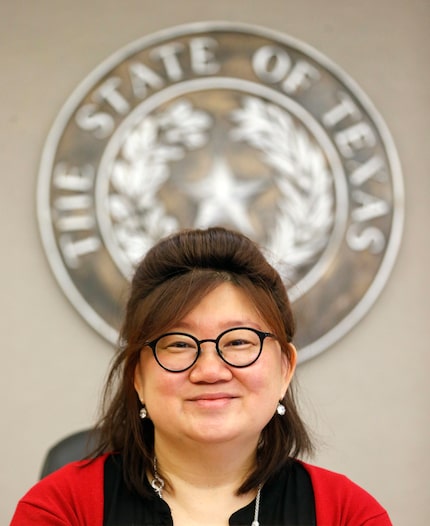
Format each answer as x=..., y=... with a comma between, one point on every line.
x=280, y=409
x=143, y=413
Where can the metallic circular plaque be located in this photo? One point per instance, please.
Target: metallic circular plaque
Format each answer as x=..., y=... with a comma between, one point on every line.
x=223, y=124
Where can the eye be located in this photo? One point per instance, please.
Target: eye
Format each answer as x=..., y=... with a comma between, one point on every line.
x=181, y=344
x=175, y=343
x=239, y=340
x=236, y=342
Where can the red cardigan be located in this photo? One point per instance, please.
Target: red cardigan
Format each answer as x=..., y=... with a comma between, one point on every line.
x=73, y=496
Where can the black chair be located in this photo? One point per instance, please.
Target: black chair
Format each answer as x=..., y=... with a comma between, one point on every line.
x=73, y=447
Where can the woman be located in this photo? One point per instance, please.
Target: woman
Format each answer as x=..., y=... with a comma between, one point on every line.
x=200, y=426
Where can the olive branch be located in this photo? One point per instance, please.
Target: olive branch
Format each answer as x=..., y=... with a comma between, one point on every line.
x=304, y=214
x=138, y=216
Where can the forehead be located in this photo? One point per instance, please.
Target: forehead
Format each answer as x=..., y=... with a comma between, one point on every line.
x=171, y=303
x=223, y=307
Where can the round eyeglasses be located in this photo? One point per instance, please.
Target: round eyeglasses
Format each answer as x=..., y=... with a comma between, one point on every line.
x=239, y=347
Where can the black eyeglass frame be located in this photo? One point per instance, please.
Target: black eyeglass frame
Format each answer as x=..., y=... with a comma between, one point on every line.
x=262, y=335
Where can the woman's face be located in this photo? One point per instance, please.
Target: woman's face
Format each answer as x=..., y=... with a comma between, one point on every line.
x=213, y=402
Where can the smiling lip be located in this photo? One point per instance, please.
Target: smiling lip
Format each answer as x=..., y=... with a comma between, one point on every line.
x=212, y=399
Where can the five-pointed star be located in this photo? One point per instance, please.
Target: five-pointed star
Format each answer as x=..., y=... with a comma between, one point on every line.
x=221, y=196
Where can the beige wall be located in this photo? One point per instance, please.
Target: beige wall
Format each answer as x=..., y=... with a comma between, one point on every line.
x=368, y=396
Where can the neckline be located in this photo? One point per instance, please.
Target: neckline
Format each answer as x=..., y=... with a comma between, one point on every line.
x=243, y=515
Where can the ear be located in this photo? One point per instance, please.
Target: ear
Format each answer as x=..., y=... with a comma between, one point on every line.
x=138, y=382
x=288, y=367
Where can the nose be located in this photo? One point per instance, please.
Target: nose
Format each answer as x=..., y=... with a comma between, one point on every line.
x=209, y=367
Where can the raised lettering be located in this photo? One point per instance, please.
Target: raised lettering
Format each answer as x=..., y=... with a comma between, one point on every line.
x=72, y=210
x=202, y=56
x=345, y=108
x=301, y=77
x=271, y=64
x=354, y=138
x=100, y=123
x=369, y=238
x=168, y=55
x=373, y=167
x=143, y=77
x=74, y=179
x=76, y=223
x=108, y=92
x=370, y=207
x=73, y=202
x=73, y=250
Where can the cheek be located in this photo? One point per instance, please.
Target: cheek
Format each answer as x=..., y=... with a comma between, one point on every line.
x=264, y=378
x=270, y=376
x=156, y=384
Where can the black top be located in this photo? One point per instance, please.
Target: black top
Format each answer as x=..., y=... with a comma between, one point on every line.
x=287, y=499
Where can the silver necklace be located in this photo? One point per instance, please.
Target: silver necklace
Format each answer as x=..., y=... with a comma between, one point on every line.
x=157, y=484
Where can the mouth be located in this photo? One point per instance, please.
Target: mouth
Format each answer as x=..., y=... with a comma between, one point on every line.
x=212, y=400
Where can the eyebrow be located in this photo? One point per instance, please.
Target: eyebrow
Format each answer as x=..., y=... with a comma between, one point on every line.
x=183, y=325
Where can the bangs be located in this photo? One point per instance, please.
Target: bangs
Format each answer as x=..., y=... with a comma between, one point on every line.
x=172, y=300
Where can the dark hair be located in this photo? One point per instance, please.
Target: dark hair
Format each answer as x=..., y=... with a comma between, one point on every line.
x=170, y=281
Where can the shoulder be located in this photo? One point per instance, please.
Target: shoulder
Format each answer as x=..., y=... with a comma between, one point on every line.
x=339, y=501
x=80, y=477
x=71, y=495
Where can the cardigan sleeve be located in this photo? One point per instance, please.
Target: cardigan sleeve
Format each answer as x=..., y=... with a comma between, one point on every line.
x=340, y=502
x=71, y=496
